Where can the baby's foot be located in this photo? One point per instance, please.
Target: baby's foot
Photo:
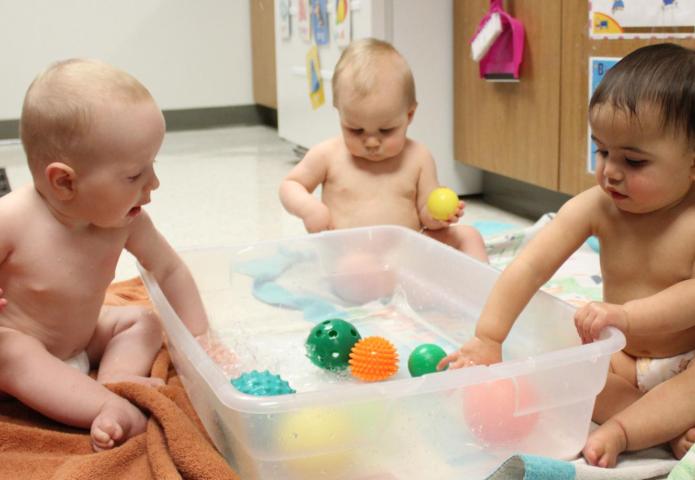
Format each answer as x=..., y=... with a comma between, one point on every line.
x=680, y=445
x=117, y=421
x=123, y=377
x=605, y=444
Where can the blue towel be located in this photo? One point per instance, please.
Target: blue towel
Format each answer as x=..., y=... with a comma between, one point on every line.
x=532, y=467
x=645, y=464
x=314, y=308
x=265, y=271
x=489, y=228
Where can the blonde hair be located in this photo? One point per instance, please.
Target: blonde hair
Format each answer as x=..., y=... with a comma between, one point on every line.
x=59, y=106
x=363, y=59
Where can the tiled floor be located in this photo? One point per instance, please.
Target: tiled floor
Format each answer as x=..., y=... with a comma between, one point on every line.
x=219, y=186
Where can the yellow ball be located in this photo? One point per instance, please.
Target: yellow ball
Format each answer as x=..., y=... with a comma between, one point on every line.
x=442, y=203
x=315, y=440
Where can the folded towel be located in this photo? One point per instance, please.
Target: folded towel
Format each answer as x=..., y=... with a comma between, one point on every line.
x=174, y=445
x=685, y=469
x=646, y=464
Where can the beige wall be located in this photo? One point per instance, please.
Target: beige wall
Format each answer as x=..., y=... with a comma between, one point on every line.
x=189, y=54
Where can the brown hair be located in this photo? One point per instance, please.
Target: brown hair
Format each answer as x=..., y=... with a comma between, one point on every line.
x=362, y=60
x=59, y=104
x=662, y=75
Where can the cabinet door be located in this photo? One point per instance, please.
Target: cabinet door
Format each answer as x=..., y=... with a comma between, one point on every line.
x=263, y=52
x=512, y=129
x=577, y=48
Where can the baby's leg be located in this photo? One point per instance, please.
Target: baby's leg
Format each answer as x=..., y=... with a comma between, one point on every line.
x=463, y=238
x=126, y=341
x=660, y=415
x=45, y=383
x=682, y=443
x=605, y=443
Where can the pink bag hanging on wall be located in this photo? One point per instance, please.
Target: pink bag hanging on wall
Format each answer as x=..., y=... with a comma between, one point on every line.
x=502, y=36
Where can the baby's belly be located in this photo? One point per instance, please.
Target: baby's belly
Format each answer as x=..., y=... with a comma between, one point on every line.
x=369, y=213
x=661, y=346
x=64, y=328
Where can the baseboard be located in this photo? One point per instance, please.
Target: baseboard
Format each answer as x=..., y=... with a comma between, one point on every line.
x=9, y=129
x=520, y=198
x=200, y=118
x=191, y=119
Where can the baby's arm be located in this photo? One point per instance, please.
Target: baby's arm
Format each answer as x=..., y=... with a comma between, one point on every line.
x=297, y=187
x=427, y=182
x=158, y=257
x=523, y=277
x=668, y=311
x=5, y=244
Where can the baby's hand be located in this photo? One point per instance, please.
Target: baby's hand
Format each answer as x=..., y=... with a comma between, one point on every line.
x=458, y=214
x=3, y=300
x=432, y=223
x=474, y=352
x=595, y=316
x=319, y=219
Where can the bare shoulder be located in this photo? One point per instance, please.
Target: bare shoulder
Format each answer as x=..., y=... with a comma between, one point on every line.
x=417, y=151
x=16, y=206
x=141, y=230
x=585, y=212
x=326, y=149
x=592, y=201
x=16, y=209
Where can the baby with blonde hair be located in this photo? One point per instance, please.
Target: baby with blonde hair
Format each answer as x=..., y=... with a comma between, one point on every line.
x=373, y=174
x=91, y=133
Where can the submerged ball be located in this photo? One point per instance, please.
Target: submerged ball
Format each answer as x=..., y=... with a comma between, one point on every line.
x=362, y=277
x=424, y=359
x=442, y=203
x=261, y=384
x=315, y=443
x=329, y=343
x=490, y=411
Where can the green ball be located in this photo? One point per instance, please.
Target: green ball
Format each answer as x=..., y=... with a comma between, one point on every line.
x=424, y=359
x=329, y=343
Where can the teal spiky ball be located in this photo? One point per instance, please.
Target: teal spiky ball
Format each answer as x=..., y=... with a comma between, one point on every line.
x=261, y=384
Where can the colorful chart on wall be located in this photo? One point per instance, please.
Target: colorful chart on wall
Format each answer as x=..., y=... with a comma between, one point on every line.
x=343, y=27
x=319, y=21
x=284, y=8
x=313, y=75
x=642, y=18
x=598, y=66
x=303, y=22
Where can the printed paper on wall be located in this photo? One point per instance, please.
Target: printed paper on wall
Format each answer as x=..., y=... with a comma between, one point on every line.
x=313, y=74
x=343, y=23
x=642, y=18
x=598, y=66
x=319, y=21
x=284, y=9
x=303, y=22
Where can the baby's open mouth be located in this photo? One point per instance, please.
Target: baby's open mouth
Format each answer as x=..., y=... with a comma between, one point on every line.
x=134, y=211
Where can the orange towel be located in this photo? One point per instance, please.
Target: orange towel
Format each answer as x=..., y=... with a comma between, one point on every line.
x=174, y=445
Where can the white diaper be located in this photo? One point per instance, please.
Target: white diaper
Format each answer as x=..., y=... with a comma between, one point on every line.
x=653, y=371
x=80, y=362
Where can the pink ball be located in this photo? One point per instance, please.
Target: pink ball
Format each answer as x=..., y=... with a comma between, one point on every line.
x=489, y=411
x=361, y=278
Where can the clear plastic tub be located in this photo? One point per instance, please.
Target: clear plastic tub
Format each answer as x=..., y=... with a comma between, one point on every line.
x=263, y=300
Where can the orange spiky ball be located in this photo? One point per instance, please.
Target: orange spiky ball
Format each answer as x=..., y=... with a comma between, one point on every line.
x=373, y=359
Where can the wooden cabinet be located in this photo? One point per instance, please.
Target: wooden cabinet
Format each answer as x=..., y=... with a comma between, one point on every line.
x=263, y=52
x=534, y=130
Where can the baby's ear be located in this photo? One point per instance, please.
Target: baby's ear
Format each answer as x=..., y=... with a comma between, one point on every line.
x=61, y=180
x=411, y=112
